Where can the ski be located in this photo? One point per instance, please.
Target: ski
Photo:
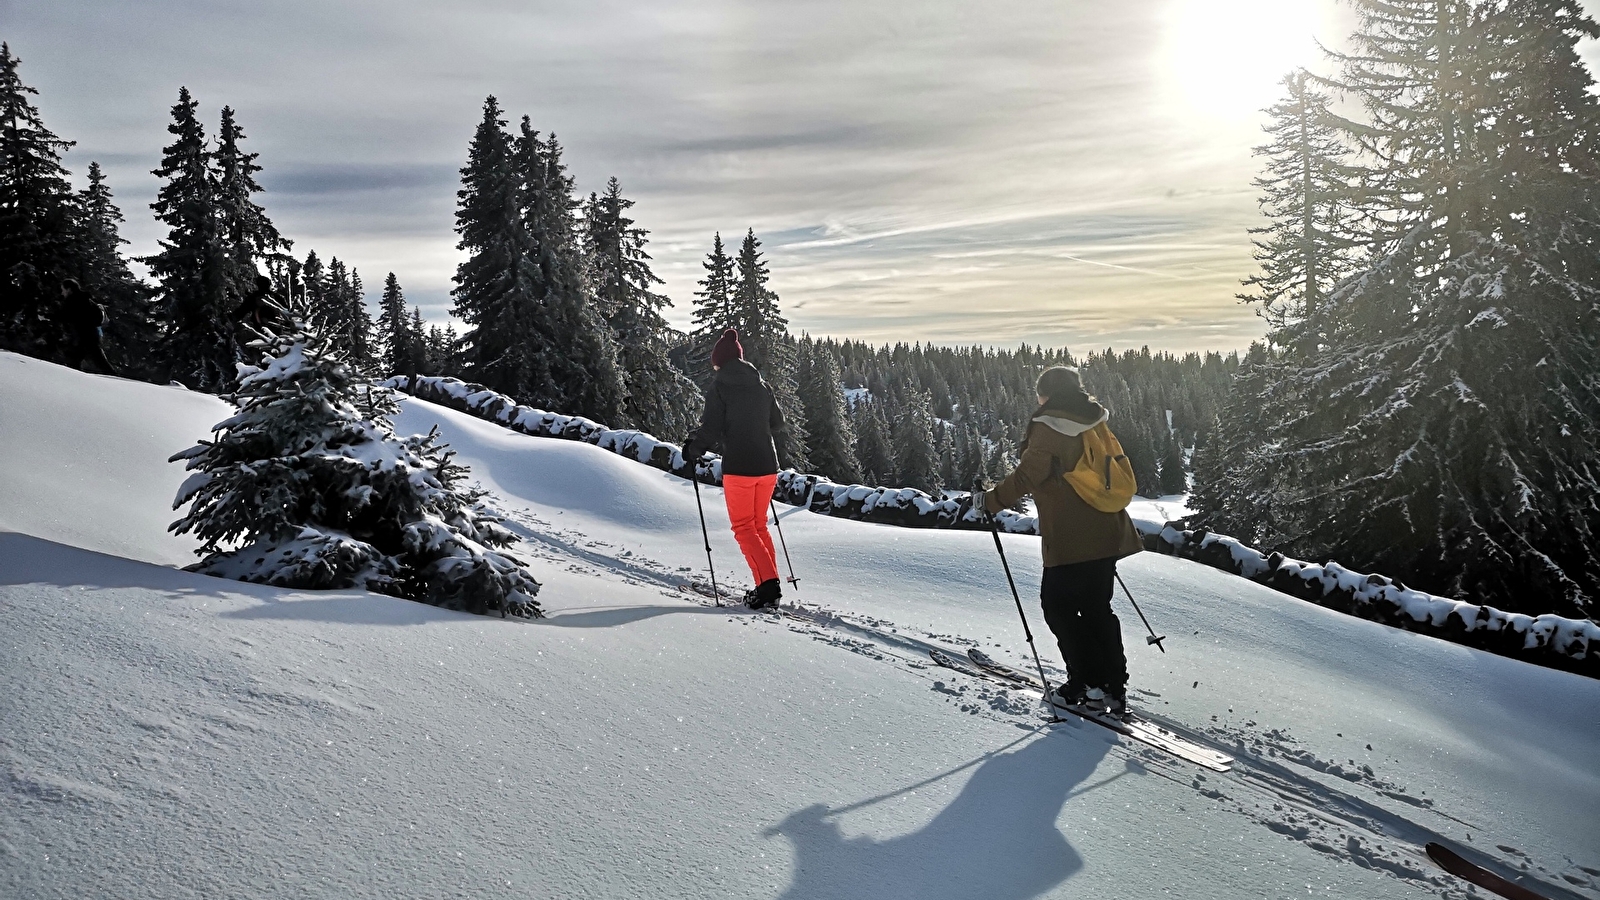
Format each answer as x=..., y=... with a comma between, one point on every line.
x=949, y=662
x=731, y=604
x=721, y=596
x=1468, y=871
x=1131, y=725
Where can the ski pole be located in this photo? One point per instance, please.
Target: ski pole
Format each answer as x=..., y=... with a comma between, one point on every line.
x=994, y=529
x=1153, y=638
x=785, y=544
x=705, y=535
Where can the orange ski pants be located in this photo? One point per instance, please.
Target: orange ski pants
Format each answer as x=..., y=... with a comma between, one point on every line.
x=748, y=498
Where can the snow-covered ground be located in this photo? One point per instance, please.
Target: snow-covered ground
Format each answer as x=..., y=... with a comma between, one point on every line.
x=172, y=735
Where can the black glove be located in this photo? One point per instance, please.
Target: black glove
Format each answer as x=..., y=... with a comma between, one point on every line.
x=692, y=450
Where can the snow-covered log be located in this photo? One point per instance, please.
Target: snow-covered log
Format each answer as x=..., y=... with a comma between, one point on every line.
x=1547, y=640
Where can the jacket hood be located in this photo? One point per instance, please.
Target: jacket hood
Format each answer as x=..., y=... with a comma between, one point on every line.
x=1072, y=424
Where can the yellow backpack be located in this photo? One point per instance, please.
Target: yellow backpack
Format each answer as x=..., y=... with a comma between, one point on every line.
x=1103, y=476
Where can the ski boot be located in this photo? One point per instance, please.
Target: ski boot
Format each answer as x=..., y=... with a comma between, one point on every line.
x=764, y=595
x=1110, y=701
x=1068, y=694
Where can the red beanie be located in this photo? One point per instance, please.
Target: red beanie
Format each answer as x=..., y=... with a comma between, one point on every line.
x=727, y=348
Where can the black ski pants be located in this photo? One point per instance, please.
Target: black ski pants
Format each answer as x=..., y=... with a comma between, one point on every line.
x=1077, y=606
x=87, y=353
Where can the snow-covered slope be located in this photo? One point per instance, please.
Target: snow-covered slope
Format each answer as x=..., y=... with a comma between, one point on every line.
x=85, y=456
x=168, y=734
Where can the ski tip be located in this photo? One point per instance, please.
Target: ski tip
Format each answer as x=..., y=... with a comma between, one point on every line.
x=1472, y=873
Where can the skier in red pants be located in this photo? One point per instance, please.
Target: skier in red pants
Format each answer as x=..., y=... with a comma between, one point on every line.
x=740, y=418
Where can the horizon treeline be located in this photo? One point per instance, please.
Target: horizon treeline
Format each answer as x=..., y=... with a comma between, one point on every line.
x=1427, y=400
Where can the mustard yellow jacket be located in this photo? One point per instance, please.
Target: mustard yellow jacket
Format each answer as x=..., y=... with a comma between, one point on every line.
x=1071, y=530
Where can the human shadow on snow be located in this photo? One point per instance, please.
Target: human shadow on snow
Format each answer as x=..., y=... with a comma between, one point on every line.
x=997, y=839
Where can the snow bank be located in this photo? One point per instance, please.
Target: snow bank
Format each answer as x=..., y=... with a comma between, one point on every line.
x=71, y=488
x=1547, y=640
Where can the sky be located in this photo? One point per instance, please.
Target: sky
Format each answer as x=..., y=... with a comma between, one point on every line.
x=1074, y=173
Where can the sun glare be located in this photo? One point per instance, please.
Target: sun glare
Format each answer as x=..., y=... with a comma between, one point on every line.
x=1225, y=58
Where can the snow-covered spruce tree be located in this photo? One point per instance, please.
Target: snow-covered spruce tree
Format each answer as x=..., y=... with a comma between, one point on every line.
x=307, y=486
x=1307, y=193
x=509, y=340
x=194, y=268
x=130, y=329
x=1448, y=430
x=916, y=458
x=764, y=334
x=713, y=311
x=829, y=437
x=874, y=454
x=661, y=399
x=39, y=235
x=582, y=354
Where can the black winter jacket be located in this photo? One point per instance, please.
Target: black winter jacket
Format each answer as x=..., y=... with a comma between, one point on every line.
x=740, y=418
x=83, y=316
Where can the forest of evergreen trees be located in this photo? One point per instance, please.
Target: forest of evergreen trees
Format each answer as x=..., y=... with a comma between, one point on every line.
x=1425, y=403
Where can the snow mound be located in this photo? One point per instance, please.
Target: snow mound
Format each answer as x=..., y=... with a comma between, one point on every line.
x=86, y=453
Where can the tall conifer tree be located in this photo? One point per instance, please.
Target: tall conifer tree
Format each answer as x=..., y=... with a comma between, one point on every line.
x=874, y=452
x=358, y=329
x=582, y=355
x=39, y=233
x=713, y=311
x=1309, y=198
x=398, y=354
x=916, y=458
x=130, y=326
x=245, y=226
x=508, y=342
x=194, y=267
x=661, y=399
x=764, y=334
x=830, y=440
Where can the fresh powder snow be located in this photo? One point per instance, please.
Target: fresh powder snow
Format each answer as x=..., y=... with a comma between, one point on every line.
x=169, y=734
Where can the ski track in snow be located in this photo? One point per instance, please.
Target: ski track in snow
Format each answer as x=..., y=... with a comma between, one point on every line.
x=1345, y=811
